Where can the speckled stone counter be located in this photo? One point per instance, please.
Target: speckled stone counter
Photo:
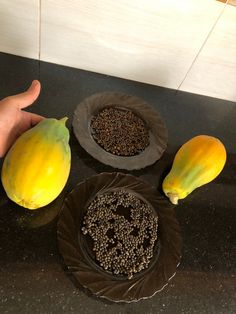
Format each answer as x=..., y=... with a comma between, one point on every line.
x=33, y=278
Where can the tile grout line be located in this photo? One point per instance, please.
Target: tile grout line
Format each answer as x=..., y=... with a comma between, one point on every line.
x=39, y=46
x=202, y=46
x=39, y=38
x=39, y=29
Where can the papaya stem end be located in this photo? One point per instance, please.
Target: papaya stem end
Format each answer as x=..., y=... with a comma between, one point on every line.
x=173, y=197
x=63, y=120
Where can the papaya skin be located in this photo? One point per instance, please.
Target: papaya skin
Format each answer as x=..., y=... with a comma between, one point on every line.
x=36, y=168
x=197, y=162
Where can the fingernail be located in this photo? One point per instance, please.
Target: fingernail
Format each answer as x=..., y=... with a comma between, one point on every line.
x=34, y=83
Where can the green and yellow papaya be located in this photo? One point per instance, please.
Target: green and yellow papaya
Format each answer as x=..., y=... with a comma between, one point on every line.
x=197, y=162
x=37, y=166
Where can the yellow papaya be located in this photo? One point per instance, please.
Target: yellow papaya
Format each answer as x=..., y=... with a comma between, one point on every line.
x=36, y=168
x=197, y=162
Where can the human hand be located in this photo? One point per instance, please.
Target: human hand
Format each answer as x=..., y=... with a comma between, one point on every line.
x=13, y=120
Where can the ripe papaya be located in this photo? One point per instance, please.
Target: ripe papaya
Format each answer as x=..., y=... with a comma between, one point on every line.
x=36, y=168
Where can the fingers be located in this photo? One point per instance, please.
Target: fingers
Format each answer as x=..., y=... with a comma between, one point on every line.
x=30, y=119
x=26, y=98
x=8, y=137
x=35, y=118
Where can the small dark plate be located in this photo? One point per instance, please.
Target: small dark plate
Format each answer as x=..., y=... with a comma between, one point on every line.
x=92, y=105
x=87, y=272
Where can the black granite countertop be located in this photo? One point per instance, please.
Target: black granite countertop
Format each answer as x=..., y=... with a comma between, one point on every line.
x=32, y=274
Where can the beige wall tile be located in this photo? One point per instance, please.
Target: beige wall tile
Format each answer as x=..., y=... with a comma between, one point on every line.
x=214, y=72
x=153, y=41
x=19, y=27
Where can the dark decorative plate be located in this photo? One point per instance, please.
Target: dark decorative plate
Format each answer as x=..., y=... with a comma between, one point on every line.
x=87, y=272
x=92, y=105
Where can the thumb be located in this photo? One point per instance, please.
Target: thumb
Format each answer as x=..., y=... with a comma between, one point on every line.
x=26, y=98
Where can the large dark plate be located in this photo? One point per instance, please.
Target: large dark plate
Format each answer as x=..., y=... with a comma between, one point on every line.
x=87, y=272
x=154, y=123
